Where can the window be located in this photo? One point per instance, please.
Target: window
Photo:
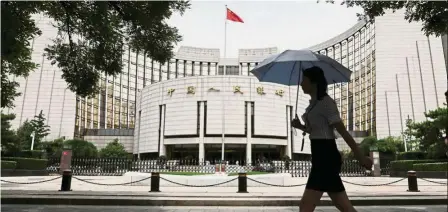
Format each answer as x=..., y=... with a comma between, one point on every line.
x=230, y=70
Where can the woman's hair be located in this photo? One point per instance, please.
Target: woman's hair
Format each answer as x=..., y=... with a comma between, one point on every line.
x=317, y=77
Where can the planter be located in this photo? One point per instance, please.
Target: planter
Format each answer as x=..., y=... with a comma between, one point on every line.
x=21, y=173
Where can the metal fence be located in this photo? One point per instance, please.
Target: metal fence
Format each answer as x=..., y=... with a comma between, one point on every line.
x=119, y=166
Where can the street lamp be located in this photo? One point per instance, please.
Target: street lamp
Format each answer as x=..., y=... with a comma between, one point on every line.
x=33, y=135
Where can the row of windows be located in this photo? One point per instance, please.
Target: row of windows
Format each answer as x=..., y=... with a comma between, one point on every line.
x=140, y=73
x=357, y=97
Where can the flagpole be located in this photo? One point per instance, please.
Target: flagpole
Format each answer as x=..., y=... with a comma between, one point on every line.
x=222, y=105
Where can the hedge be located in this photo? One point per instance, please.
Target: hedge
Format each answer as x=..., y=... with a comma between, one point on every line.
x=8, y=164
x=37, y=154
x=443, y=166
x=406, y=165
x=417, y=155
x=28, y=163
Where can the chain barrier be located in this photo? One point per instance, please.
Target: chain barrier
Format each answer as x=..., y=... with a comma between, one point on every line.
x=117, y=184
x=211, y=185
x=382, y=184
x=268, y=184
x=27, y=183
x=440, y=183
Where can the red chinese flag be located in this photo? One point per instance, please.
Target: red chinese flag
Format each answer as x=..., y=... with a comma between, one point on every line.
x=231, y=16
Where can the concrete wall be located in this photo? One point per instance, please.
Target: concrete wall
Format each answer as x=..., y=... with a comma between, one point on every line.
x=396, y=40
x=44, y=89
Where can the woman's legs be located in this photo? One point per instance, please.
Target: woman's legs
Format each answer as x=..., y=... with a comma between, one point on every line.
x=309, y=200
x=341, y=201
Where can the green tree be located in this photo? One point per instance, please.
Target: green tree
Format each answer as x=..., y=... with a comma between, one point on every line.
x=430, y=133
x=413, y=144
x=386, y=145
x=54, y=148
x=92, y=36
x=432, y=14
x=114, y=149
x=390, y=144
x=40, y=128
x=367, y=143
x=9, y=139
x=81, y=148
x=24, y=136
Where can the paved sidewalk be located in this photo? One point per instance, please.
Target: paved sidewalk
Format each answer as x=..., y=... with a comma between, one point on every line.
x=377, y=189
x=65, y=208
x=87, y=192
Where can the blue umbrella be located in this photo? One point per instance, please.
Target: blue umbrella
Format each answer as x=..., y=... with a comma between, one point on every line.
x=286, y=69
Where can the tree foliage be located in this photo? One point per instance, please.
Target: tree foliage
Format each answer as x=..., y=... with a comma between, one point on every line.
x=387, y=145
x=9, y=140
x=81, y=148
x=39, y=127
x=36, y=125
x=114, y=149
x=54, y=148
x=430, y=133
x=18, y=29
x=24, y=136
x=432, y=14
x=92, y=36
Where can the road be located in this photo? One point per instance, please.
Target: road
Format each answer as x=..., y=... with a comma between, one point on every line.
x=65, y=208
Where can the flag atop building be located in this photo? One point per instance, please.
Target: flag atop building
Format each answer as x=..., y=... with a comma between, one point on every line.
x=231, y=16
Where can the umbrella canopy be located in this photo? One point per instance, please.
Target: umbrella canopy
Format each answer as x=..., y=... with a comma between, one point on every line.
x=286, y=68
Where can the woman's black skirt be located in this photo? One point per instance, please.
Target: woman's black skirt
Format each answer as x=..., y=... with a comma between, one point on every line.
x=326, y=166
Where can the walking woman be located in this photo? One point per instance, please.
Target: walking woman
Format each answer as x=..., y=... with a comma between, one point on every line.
x=321, y=118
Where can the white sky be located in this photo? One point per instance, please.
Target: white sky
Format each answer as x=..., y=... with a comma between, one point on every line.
x=282, y=24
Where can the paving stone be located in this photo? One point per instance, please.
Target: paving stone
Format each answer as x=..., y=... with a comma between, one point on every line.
x=64, y=208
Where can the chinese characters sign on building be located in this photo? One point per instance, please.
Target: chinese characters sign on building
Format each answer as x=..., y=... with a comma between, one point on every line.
x=237, y=89
x=279, y=92
x=191, y=90
x=171, y=91
x=260, y=90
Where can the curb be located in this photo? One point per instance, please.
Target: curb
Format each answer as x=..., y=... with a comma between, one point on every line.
x=254, y=202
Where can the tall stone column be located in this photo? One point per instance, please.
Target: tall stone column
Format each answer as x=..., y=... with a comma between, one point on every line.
x=288, y=136
x=249, y=135
x=162, y=149
x=201, y=133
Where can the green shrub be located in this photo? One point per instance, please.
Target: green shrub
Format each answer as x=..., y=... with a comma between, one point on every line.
x=406, y=165
x=8, y=164
x=417, y=155
x=38, y=154
x=28, y=163
x=443, y=166
x=437, y=151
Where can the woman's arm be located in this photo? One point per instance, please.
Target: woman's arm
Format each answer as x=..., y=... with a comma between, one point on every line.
x=339, y=126
x=296, y=124
x=331, y=112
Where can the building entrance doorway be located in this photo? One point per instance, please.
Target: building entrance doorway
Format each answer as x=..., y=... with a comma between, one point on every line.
x=233, y=153
x=182, y=151
x=264, y=153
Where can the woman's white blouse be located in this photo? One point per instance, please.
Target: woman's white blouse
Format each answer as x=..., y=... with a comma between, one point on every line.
x=319, y=117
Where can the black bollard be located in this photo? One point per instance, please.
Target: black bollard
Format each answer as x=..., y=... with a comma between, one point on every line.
x=242, y=183
x=412, y=182
x=155, y=182
x=66, y=183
